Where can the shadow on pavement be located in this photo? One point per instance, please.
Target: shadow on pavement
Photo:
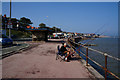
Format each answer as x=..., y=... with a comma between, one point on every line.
x=7, y=46
x=52, y=41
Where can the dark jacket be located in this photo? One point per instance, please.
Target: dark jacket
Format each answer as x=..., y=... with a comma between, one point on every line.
x=63, y=49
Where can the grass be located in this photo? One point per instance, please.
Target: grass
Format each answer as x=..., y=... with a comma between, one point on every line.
x=19, y=34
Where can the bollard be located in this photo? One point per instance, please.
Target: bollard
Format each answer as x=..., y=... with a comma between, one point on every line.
x=105, y=66
x=86, y=56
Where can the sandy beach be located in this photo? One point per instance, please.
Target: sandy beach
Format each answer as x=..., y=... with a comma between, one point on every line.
x=40, y=62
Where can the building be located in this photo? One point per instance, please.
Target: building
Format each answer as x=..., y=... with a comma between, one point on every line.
x=40, y=34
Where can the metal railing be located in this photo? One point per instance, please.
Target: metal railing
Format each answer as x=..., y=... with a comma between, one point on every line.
x=105, y=58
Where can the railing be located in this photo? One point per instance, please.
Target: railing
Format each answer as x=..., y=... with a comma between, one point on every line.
x=105, y=58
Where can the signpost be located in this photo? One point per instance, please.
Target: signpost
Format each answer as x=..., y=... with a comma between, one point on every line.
x=9, y=24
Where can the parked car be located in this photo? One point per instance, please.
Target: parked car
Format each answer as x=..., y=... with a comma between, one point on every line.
x=5, y=40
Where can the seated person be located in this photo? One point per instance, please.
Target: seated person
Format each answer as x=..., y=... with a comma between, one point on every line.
x=65, y=52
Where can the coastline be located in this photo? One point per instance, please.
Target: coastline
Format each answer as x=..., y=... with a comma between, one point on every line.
x=102, y=36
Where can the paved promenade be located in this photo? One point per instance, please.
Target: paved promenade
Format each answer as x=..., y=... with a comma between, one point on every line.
x=40, y=62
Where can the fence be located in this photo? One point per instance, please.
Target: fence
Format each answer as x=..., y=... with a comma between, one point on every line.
x=102, y=53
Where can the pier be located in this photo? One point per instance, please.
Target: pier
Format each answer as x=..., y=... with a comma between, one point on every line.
x=40, y=62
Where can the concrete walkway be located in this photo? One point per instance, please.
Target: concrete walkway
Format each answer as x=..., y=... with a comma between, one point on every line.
x=40, y=62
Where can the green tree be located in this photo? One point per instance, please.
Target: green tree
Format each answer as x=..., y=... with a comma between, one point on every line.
x=55, y=29
x=14, y=22
x=4, y=21
x=25, y=22
x=42, y=25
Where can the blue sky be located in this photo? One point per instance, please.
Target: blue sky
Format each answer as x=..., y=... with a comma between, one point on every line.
x=82, y=17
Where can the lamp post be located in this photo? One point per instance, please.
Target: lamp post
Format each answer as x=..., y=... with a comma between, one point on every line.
x=10, y=21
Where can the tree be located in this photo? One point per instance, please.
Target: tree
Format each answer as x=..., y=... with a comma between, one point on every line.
x=14, y=22
x=42, y=25
x=4, y=21
x=55, y=29
x=25, y=22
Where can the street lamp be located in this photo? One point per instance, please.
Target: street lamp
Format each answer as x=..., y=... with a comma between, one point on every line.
x=10, y=21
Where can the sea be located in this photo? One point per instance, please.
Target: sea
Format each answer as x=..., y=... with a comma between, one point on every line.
x=105, y=45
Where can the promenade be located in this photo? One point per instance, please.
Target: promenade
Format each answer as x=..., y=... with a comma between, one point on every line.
x=40, y=62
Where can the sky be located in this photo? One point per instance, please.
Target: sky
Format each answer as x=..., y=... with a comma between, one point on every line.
x=60, y=0
x=81, y=17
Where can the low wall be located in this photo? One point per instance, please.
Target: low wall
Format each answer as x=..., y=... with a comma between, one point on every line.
x=39, y=36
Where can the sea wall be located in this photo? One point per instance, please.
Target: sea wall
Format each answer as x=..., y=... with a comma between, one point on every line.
x=93, y=71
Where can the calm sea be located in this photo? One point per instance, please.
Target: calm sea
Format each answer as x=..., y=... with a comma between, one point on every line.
x=106, y=45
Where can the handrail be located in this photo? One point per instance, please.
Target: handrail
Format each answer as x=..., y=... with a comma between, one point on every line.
x=97, y=51
x=105, y=54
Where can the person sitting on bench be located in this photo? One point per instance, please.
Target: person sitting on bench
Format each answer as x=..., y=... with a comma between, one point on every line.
x=65, y=52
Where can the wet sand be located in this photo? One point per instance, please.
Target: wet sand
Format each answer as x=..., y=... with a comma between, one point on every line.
x=40, y=62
